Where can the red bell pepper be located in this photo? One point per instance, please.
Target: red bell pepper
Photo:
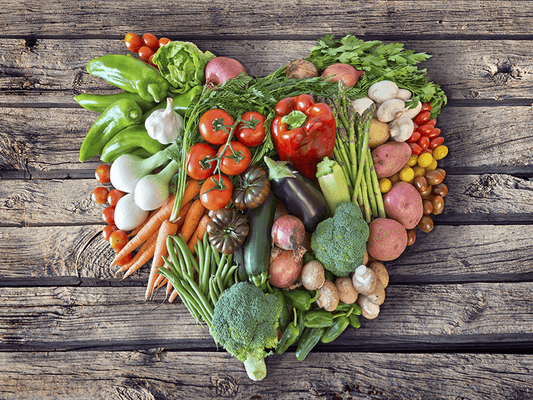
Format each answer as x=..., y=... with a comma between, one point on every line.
x=305, y=145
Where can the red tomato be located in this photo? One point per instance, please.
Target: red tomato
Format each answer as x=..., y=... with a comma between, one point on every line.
x=163, y=41
x=434, y=133
x=108, y=230
x=436, y=142
x=215, y=193
x=423, y=142
x=108, y=215
x=118, y=239
x=230, y=166
x=252, y=136
x=133, y=42
x=195, y=168
x=145, y=53
x=426, y=106
x=425, y=129
x=414, y=137
x=151, y=41
x=124, y=260
x=114, y=196
x=211, y=126
x=102, y=173
x=432, y=122
x=99, y=195
x=151, y=62
x=422, y=118
x=415, y=148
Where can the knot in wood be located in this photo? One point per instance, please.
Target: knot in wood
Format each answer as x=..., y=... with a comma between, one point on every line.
x=225, y=386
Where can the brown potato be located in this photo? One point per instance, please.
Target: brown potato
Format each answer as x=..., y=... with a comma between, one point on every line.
x=379, y=133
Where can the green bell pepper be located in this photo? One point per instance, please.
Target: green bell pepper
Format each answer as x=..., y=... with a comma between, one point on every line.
x=130, y=74
x=129, y=139
x=119, y=115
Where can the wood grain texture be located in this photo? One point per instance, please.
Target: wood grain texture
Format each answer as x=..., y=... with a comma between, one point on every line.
x=53, y=71
x=205, y=18
x=44, y=143
x=162, y=374
x=450, y=317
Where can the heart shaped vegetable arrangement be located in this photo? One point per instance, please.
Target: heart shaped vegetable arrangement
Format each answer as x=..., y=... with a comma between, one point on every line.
x=268, y=205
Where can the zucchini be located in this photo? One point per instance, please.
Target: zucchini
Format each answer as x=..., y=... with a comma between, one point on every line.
x=258, y=243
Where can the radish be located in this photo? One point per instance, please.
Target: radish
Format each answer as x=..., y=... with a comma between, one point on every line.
x=220, y=69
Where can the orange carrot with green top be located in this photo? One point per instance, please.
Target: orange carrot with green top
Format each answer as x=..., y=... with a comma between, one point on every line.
x=192, y=219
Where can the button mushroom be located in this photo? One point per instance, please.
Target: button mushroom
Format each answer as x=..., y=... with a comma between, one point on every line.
x=381, y=272
x=312, y=275
x=369, y=310
x=403, y=94
x=364, y=280
x=328, y=296
x=401, y=129
x=390, y=110
x=347, y=293
x=378, y=297
x=412, y=112
x=382, y=91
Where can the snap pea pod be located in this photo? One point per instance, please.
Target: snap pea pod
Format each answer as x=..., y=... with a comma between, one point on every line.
x=310, y=337
x=99, y=102
x=338, y=326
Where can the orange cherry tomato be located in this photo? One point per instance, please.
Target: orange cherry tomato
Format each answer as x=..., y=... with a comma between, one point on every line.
x=102, y=173
x=99, y=195
x=151, y=41
x=108, y=215
x=163, y=41
x=118, y=239
x=114, y=196
x=133, y=42
x=145, y=53
x=108, y=230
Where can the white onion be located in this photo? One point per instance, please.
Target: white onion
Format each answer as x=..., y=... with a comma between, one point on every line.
x=128, y=215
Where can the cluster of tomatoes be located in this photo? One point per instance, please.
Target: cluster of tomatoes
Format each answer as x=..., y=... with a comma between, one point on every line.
x=146, y=46
x=422, y=169
x=102, y=195
x=218, y=159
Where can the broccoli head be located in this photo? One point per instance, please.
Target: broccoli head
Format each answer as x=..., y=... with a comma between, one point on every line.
x=339, y=242
x=245, y=322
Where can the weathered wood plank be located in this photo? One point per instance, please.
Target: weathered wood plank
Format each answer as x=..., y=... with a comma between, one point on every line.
x=44, y=143
x=205, y=18
x=52, y=71
x=489, y=198
x=161, y=374
x=471, y=316
x=65, y=255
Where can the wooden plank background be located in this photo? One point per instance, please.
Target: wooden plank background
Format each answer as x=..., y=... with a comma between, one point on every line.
x=456, y=323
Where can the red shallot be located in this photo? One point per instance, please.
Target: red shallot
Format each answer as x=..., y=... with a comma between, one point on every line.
x=220, y=69
x=284, y=270
x=288, y=233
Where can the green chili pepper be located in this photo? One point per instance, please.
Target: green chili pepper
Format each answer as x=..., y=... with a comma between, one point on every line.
x=334, y=331
x=180, y=103
x=343, y=307
x=290, y=335
x=129, y=139
x=130, y=74
x=140, y=152
x=310, y=337
x=300, y=299
x=354, y=321
x=285, y=316
x=318, y=319
x=99, y=102
x=119, y=115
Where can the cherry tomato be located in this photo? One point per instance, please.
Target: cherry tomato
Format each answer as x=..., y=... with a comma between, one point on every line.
x=151, y=41
x=434, y=133
x=108, y=215
x=195, y=168
x=151, y=62
x=432, y=122
x=420, y=183
x=252, y=136
x=124, y=260
x=414, y=137
x=423, y=142
x=427, y=206
x=415, y=148
x=118, y=239
x=411, y=237
x=215, y=193
x=434, y=177
x=133, y=42
x=426, y=129
x=145, y=53
x=440, y=190
x=426, y=224
x=436, y=142
x=108, y=230
x=99, y=195
x=102, y=173
x=114, y=196
x=211, y=126
x=163, y=41
x=438, y=205
x=426, y=107
x=230, y=166
x=422, y=118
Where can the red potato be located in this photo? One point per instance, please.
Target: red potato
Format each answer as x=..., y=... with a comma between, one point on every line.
x=403, y=203
x=390, y=158
x=387, y=239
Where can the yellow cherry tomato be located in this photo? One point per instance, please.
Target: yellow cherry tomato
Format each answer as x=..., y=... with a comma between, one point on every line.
x=407, y=174
x=432, y=166
x=425, y=160
x=440, y=152
x=413, y=160
x=419, y=171
x=384, y=185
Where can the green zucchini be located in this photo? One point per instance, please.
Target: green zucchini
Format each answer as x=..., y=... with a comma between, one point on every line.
x=258, y=243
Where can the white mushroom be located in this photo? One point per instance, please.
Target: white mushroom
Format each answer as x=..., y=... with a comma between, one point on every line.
x=360, y=105
x=328, y=297
x=390, y=110
x=369, y=310
x=364, y=280
x=381, y=272
x=412, y=112
x=401, y=129
x=347, y=293
x=378, y=297
x=403, y=94
x=382, y=91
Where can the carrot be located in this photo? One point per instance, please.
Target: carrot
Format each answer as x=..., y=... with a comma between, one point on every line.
x=198, y=233
x=167, y=228
x=192, y=219
x=145, y=256
x=192, y=189
x=141, y=250
x=173, y=296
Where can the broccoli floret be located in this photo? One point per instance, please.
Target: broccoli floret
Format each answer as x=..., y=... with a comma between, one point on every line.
x=244, y=322
x=339, y=242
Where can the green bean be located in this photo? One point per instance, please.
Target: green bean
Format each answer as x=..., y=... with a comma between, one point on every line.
x=179, y=241
x=190, y=284
x=212, y=291
x=206, y=269
x=173, y=256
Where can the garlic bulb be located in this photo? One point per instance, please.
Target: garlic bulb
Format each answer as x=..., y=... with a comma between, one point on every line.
x=164, y=125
